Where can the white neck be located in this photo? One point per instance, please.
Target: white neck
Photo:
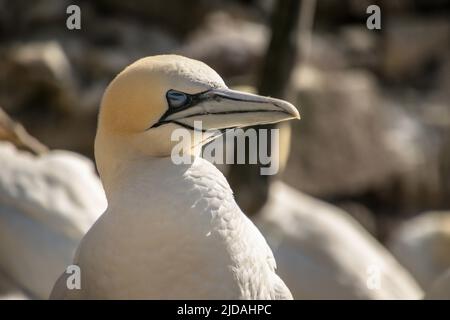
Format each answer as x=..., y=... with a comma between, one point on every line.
x=119, y=161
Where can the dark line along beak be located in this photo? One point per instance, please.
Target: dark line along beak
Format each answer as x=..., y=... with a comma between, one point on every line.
x=225, y=108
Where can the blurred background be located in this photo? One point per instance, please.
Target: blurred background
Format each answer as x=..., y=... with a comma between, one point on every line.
x=374, y=138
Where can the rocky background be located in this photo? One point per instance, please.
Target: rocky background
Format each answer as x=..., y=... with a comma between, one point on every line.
x=375, y=131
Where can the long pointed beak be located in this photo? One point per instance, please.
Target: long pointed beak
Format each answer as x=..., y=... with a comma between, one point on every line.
x=225, y=108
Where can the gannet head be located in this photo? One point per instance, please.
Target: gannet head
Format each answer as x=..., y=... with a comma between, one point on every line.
x=156, y=95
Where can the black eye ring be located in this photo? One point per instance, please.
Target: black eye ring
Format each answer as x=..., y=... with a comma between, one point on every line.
x=177, y=99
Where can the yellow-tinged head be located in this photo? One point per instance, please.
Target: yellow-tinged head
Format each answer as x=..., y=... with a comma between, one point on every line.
x=155, y=95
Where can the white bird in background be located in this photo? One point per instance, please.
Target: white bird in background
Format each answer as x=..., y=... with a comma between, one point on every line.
x=47, y=203
x=323, y=253
x=422, y=245
x=172, y=231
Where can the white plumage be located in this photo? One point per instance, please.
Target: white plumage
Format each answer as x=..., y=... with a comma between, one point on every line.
x=183, y=237
x=47, y=203
x=422, y=245
x=323, y=253
x=172, y=231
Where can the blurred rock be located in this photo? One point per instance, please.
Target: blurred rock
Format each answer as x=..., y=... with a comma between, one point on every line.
x=339, y=146
x=413, y=45
x=422, y=245
x=35, y=72
x=44, y=11
x=354, y=143
x=178, y=16
x=327, y=52
x=417, y=184
x=18, y=18
x=110, y=58
x=353, y=46
x=38, y=88
x=232, y=46
x=361, y=46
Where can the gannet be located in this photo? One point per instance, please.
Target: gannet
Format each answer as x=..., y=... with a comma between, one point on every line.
x=422, y=245
x=47, y=203
x=323, y=253
x=172, y=231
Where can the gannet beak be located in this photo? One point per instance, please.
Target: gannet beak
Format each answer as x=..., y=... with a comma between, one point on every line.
x=224, y=108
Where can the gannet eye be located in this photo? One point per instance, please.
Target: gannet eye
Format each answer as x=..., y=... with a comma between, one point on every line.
x=177, y=99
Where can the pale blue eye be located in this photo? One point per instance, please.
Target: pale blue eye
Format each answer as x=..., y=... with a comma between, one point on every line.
x=177, y=99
